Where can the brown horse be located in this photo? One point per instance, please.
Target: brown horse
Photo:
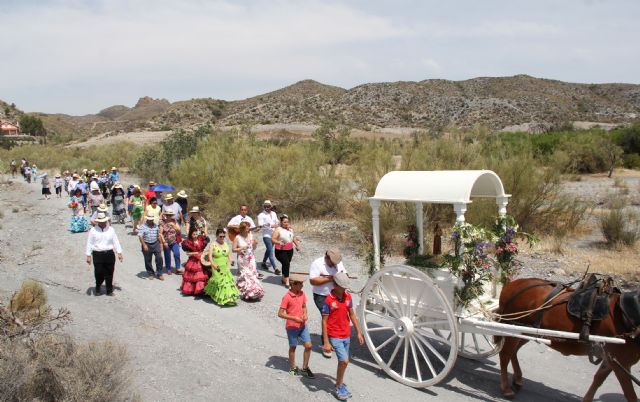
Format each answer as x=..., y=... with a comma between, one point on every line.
x=523, y=295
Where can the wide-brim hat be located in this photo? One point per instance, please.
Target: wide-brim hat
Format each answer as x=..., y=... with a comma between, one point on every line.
x=195, y=210
x=335, y=256
x=152, y=183
x=341, y=279
x=168, y=196
x=101, y=217
x=168, y=212
x=114, y=168
x=76, y=176
x=150, y=217
x=182, y=194
x=102, y=208
x=94, y=186
x=57, y=175
x=117, y=185
x=266, y=202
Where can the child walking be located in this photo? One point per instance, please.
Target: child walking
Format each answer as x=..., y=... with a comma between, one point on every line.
x=57, y=183
x=336, y=313
x=293, y=308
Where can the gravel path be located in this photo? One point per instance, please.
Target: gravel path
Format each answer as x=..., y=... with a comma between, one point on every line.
x=189, y=349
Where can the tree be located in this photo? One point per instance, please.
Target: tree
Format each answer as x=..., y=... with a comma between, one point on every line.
x=32, y=125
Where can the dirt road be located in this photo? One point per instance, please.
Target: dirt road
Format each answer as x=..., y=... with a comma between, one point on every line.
x=186, y=349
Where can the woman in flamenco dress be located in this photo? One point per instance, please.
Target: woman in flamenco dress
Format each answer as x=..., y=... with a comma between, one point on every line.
x=193, y=279
x=221, y=286
x=79, y=222
x=248, y=282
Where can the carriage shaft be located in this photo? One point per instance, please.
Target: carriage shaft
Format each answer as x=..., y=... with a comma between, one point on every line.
x=519, y=329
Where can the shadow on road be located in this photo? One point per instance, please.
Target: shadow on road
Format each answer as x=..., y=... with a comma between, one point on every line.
x=321, y=383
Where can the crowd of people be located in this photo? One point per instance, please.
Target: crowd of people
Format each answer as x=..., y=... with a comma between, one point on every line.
x=165, y=225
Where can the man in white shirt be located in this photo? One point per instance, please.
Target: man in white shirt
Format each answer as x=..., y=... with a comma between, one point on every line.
x=321, y=274
x=101, y=244
x=234, y=223
x=268, y=221
x=73, y=183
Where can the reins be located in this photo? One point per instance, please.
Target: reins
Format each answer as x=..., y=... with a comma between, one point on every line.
x=543, y=307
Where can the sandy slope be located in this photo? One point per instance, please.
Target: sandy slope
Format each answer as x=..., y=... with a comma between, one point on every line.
x=186, y=349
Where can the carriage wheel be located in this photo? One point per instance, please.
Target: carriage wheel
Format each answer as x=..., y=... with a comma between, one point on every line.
x=409, y=326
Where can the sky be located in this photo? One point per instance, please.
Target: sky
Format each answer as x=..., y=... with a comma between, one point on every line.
x=79, y=57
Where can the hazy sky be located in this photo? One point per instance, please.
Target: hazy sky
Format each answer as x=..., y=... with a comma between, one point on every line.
x=79, y=57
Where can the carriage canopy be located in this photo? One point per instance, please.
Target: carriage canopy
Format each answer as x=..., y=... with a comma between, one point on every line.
x=455, y=187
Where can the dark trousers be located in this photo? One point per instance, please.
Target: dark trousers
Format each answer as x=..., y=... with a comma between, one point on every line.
x=284, y=256
x=154, y=249
x=103, y=265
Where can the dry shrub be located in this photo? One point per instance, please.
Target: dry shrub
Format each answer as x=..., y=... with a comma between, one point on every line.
x=38, y=362
x=619, y=226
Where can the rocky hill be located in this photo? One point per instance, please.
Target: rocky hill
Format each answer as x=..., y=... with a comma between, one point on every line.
x=517, y=103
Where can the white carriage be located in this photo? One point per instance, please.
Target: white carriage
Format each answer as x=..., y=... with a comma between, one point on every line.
x=409, y=319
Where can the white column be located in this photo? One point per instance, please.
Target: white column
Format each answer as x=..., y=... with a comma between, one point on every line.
x=502, y=205
x=375, y=220
x=420, y=226
x=460, y=208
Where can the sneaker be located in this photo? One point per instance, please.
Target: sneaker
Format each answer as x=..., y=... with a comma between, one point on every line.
x=260, y=276
x=345, y=390
x=307, y=373
x=265, y=266
x=294, y=371
x=277, y=271
x=340, y=394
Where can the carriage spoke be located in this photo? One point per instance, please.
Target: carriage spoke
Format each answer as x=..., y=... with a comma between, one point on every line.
x=435, y=337
x=431, y=348
x=415, y=360
x=398, y=294
x=426, y=358
x=408, y=280
x=429, y=323
x=475, y=343
x=385, y=343
x=377, y=329
x=395, y=352
x=462, y=336
x=404, y=359
x=390, y=303
x=418, y=300
x=384, y=317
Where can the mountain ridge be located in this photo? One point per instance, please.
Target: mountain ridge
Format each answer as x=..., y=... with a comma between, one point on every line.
x=494, y=102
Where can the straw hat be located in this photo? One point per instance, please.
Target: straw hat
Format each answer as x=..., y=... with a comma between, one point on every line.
x=168, y=212
x=57, y=176
x=152, y=183
x=114, y=168
x=150, y=217
x=295, y=277
x=102, y=208
x=266, y=202
x=94, y=186
x=341, y=279
x=182, y=194
x=195, y=210
x=204, y=259
x=168, y=196
x=117, y=185
x=75, y=176
x=101, y=217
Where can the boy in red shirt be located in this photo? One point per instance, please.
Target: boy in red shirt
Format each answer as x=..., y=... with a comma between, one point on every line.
x=336, y=313
x=293, y=308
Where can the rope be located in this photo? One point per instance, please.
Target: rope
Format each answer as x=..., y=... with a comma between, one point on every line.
x=520, y=314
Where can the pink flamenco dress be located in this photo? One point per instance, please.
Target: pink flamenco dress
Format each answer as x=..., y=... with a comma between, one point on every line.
x=248, y=283
x=194, y=279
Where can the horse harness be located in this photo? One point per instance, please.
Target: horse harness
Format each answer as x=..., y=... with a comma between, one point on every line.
x=588, y=302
